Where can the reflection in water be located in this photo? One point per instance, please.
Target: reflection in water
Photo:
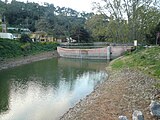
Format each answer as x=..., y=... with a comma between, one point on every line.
x=4, y=95
x=46, y=89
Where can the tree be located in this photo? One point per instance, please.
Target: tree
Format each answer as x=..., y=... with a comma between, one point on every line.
x=58, y=21
x=81, y=35
x=138, y=15
x=97, y=25
x=151, y=37
x=2, y=8
x=25, y=38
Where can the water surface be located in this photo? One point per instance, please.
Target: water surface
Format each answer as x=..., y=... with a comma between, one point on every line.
x=45, y=90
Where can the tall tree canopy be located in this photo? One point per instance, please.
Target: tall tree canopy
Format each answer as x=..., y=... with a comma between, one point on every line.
x=137, y=17
x=117, y=21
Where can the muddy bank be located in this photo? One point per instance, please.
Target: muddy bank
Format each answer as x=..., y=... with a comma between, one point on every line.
x=124, y=91
x=9, y=63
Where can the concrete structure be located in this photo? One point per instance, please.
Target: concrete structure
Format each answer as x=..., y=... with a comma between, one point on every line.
x=109, y=52
x=18, y=30
x=95, y=53
x=16, y=35
x=41, y=36
x=4, y=28
x=3, y=25
x=6, y=35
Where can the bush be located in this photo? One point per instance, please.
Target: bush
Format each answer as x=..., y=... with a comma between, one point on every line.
x=9, y=48
x=25, y=38
x=12, y=48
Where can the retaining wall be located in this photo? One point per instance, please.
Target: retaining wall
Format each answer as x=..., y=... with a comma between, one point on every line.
x=96, y=53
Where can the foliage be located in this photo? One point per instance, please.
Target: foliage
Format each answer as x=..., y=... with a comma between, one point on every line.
x=25, y=38
x=82, y=35
x=144, y=59
x=2, y=7
x=13, y=48
x=151, y=36
x=119, y=21
x=56, y=21
x=129, y=19
x=9, y=48
x=97, y=25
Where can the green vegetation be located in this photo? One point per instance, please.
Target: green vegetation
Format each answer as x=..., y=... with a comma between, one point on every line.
x=59, y=22
x=144, y=59
x=118, y=21
x=13, y=48
x=125, y=20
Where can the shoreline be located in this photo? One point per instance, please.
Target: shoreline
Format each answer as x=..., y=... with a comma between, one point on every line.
x=124, y=91
x=13, y=62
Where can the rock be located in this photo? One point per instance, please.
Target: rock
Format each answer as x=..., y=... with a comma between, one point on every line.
x=155, y=108
x=122, y=118
x=137, y=115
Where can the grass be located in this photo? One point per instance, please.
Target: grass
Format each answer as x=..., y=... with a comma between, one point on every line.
x=14, y=48
x=144, y=59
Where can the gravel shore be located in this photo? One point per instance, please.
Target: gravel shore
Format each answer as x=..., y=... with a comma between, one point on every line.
x=124, y=91
x=9, y=63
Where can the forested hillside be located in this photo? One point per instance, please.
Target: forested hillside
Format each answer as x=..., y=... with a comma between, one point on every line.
x=118, y=21
x=60, y=22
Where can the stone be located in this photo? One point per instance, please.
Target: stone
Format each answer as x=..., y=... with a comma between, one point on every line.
x=137, y=115
x=155, y=108
x=122, y=118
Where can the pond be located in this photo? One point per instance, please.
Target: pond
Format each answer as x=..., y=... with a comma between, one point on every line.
x=46, y=89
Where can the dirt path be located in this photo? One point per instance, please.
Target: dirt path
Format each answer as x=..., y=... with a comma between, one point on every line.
x=9, y=63
x=124, y=92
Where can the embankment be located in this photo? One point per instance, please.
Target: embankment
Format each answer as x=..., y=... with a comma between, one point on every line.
x=9, y=63
x=131, y=86
x=124, y=91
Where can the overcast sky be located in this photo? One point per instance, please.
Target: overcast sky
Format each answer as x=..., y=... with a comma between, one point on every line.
x=78, y=5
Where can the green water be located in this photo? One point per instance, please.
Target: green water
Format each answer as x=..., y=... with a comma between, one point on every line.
x=45, y=90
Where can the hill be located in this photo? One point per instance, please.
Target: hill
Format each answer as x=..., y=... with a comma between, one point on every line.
x=60, y=22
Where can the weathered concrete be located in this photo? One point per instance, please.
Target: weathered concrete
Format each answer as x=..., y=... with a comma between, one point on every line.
x=96, y=53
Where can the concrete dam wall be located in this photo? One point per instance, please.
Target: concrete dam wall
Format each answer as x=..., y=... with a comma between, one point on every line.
x=108, y=52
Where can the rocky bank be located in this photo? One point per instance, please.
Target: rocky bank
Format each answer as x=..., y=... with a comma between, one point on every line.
x=122, y=93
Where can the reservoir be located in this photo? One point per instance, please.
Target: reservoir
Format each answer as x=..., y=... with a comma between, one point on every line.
x=46, y=89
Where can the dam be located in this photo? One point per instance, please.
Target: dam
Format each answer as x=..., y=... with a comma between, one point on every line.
x=107, y=52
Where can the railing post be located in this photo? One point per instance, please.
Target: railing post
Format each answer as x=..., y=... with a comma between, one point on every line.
x=108, y=52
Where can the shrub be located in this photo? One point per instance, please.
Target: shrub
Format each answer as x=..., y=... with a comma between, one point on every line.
x=25, y=38
x=12, y=48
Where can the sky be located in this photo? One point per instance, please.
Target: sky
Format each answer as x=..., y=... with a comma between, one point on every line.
x=78, y=5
